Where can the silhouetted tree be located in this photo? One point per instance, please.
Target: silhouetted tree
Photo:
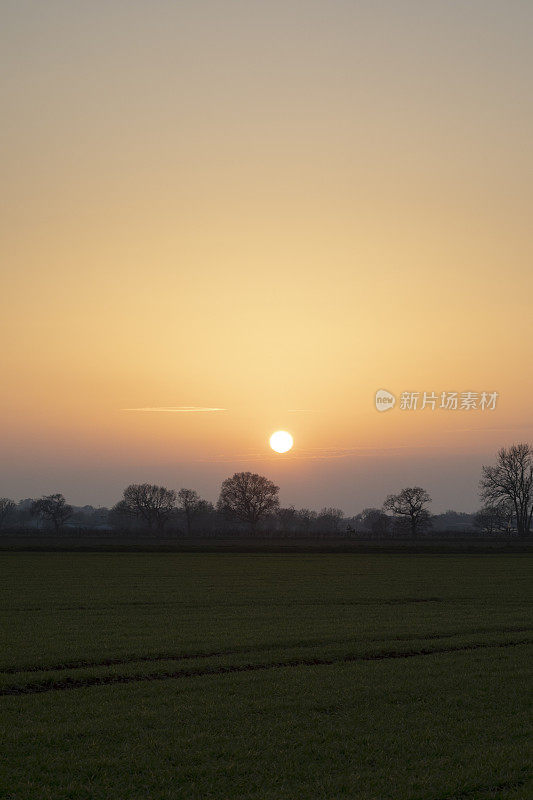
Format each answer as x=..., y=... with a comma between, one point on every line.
x=53, y=508
x=149, y=503
x=306, y=519
x=121, y=516
x=287, y=519
x=23, y=515
x=511, y=480
x=494, y=518
x=191, y=505
x=451, y=520
x=7, y=508
x=248, y=497
x=410, y=504
x=375, y=521
x=90, y=517
x=329, y=519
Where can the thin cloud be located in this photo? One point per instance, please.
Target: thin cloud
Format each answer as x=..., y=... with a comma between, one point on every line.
x=508, y=429
x=316, y=454
x=177, y=409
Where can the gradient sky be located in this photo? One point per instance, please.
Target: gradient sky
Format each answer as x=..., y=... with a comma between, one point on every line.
x=270, y=208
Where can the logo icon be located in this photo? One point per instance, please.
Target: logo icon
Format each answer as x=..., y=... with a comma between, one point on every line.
x=384, y=400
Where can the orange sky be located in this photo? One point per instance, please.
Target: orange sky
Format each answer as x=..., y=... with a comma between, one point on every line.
x=263, y=207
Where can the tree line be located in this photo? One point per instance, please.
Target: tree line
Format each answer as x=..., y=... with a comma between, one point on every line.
x=251, y=500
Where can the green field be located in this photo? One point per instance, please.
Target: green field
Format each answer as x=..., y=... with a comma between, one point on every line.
x=267, y=676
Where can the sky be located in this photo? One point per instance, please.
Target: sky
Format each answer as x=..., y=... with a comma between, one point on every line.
x=221, y=219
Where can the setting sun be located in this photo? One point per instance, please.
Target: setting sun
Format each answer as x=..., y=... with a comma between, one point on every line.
x=281, y=441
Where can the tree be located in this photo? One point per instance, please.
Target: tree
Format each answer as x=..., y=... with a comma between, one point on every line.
x=52, y=508
x=7, y=507
x=375, y=521
x=191, y=505
x=511, y=480
x=306, y=519
x=121, y=517
x=248, y=497
x=329, y=519
x=494, y=518
x=149, y=503
x=450, y=520
x=409, y=505
x=287, y=519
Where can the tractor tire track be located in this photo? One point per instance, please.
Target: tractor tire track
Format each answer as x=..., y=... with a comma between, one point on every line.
x=172, y=655
x=40, y=687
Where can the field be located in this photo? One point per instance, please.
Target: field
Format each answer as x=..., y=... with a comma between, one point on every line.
x=145, y=676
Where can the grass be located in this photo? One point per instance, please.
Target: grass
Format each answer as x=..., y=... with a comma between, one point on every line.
x=145, y=676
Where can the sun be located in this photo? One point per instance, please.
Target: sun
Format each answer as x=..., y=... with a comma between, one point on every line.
x=281, y=441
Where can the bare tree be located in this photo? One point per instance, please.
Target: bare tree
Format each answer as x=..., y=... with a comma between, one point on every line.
x=191, y=505
x=329, y=519
x=53, y=508
x=375, y=520
x=149, y=503
x=491, y=519
x=121, y=516
x=511, y=480
x=7, y=507
x=248, y=497
x=306, y=519
x=410, y=504
x=287, y=519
